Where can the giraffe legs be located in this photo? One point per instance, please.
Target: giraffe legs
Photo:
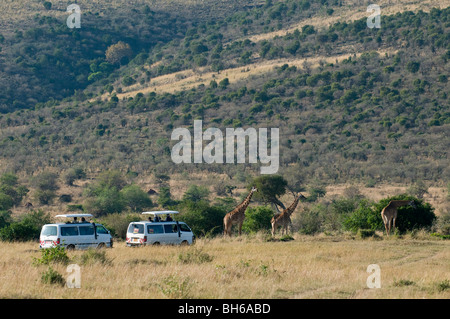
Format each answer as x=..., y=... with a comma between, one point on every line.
x=393, y=225
x=388, y=227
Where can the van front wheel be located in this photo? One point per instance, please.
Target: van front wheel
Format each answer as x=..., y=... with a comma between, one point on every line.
x=101, y=246
x=70, y=247
x=184, y=243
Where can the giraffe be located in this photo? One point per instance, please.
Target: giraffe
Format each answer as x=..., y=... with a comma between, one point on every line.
x=284, y=219
x=237, y=215
x=389, y=213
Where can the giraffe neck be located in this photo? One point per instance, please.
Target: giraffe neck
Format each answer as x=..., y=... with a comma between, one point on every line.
x=243, y=206
x=293, y=206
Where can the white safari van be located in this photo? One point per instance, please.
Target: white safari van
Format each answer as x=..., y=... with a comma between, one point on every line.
x=158, y=229
x=75, y=234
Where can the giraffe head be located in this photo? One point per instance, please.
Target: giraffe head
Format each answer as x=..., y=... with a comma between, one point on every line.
x=254, y=189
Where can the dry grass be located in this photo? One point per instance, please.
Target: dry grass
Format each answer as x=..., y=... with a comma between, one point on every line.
x=246, y=267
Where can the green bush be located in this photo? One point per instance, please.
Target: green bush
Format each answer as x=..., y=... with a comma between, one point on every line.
x=135, y=198
x=57, y=254
x=410, y=218
x=311, y=220
x=196, y=193
x=363, y=217
x=52, y=277
x=366, y=233
x=117, y=223
x=256, y=219
x=201, y=217
x=368, y=215
x=28, y=228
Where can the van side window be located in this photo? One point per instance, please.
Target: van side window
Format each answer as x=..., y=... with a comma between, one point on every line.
x=155, y=229
x=101, y=230
x=184, y=227
x=86, y=230
x=69, y=231
x=170, y=228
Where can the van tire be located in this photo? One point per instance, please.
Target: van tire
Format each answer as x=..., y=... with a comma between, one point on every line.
x=70, y=247
x=156, y=243
x=184, y=243
x=101, y=246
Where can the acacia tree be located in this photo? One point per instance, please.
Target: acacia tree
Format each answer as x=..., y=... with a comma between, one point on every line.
x=270, y=188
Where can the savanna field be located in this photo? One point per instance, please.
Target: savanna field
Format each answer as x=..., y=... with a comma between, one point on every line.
x=250, y=266
x=87, y=122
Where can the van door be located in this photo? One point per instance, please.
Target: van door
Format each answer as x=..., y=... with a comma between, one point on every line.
x=186, y=233
x=103, y=236
x=87, y=236
x=155, y=234
x=69, y=235
x=170, y=234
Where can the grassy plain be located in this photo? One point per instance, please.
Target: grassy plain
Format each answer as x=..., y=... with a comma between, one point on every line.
x=239, y=268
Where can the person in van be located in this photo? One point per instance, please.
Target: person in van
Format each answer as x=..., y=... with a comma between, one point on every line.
x=150, y=219
x=157, y=219
x=168, y=218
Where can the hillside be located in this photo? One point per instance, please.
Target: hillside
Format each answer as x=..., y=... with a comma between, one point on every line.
x=353, y=104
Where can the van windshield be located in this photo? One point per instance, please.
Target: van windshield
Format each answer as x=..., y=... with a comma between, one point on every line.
x=136, y=229
x=49, y=231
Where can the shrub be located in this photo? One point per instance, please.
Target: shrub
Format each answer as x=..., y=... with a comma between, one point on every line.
x=311, y=220
x=93, y=256
x=47, y=5
x=194, y=256
x=118, y=53
x=117, y=223
x=410, y=218
x=413, y=66
x=107, y=201
x=128, y=80
x=44, y=197
x=6, y=202
x=28, y=228
x=196, y=193
x=56, y=254
x=135, y=198
x=368, y=215
x=52, y=277
x=165, y=197
x=257, y=218
x=201, y=217
x=365, y=233
x=363, y=217
x=173, y=287
x=286, y=237
x=5, y=218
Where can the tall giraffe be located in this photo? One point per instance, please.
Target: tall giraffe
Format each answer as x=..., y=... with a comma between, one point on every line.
x=237, y=215
x=389, y=213
x=284, y=219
